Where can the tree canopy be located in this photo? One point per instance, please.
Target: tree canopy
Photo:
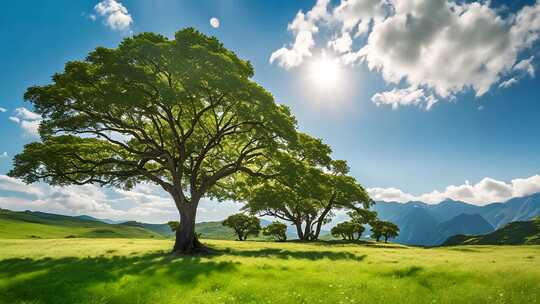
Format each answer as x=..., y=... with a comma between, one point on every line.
x=243, y=225
x=384, y=229
x=308, y=188
x=348, y=230
x=276, y=230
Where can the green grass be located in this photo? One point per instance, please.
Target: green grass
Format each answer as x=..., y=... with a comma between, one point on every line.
x=20, y=225
x=141, y=271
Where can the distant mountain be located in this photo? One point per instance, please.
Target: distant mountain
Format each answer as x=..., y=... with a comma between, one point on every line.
x=516, y=209
x=515, y=233
x=461, y=224
x=448, y=209
x=419, y=222
x=416, y=226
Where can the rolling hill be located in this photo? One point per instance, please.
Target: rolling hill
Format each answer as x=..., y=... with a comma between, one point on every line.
x=515, y=233
x=28, y=224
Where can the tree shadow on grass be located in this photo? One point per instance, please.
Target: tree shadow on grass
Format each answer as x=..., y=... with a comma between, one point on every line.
x=293, y=254
x=67, y=280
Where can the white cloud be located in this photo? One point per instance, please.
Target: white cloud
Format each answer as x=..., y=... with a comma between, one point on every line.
x=444, y=47
x=214, y=22
x=27, y=120
x=359, y=14
x=115, y=14
x=294, y=56
x=303, y=26
x=25, y=114
x=12, y=184
x=342, y=44
x=3, y=155
x=2, y=110
x=404, y=97
x=508, y=83
x=486, y=191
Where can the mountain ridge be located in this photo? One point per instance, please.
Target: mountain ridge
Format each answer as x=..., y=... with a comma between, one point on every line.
x=495, y=214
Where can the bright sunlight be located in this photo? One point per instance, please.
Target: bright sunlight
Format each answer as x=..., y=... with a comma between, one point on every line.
x=325, y=72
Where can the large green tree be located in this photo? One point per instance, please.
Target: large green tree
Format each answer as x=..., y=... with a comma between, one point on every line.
x=181, y=113
x=309, y=188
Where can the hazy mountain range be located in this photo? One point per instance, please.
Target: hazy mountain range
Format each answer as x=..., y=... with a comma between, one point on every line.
x=431, y=224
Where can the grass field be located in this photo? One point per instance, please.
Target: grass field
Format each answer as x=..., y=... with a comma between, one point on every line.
x=141, y=271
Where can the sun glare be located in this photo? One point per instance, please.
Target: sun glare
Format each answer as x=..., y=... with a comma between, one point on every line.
x=324, y=72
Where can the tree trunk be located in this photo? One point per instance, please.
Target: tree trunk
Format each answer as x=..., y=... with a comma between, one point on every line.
x=186, y=240
x=320, y=220
x=299, y=230
x=307, y=231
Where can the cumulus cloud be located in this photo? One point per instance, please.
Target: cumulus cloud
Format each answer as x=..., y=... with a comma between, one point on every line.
x=294, y=56
x=115, y=15
x=146, y=202
x=303, y=27
x=405, y=97
x=27, y=120
x=2, y=110
x=342, y=44
x=440, y=46
x=486, y=191
x=214, y=22
x=3, y=155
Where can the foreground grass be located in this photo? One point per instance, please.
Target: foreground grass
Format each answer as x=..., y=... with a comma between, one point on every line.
x=140, y=271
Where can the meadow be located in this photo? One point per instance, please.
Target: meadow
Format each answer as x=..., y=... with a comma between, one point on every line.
x=141, y=271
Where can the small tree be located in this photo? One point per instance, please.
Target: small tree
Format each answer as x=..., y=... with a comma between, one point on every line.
x=390, y=230
x=361, y=217
x=243, y=225
x=384, y=229
x=347, y=230
x=276, y=230
x=377, y=230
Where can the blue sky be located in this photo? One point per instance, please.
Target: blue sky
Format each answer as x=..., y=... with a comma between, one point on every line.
x=481, y=131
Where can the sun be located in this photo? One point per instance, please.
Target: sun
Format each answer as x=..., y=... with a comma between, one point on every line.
x=325, y=72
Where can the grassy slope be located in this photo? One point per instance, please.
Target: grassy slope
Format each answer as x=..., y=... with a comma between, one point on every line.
x=138, y=271
x=20, y=225
x=516, y=233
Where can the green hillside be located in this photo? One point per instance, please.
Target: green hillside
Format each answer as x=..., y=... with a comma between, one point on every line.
x=214, y=230
x=24, y=225
x=516, y=233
